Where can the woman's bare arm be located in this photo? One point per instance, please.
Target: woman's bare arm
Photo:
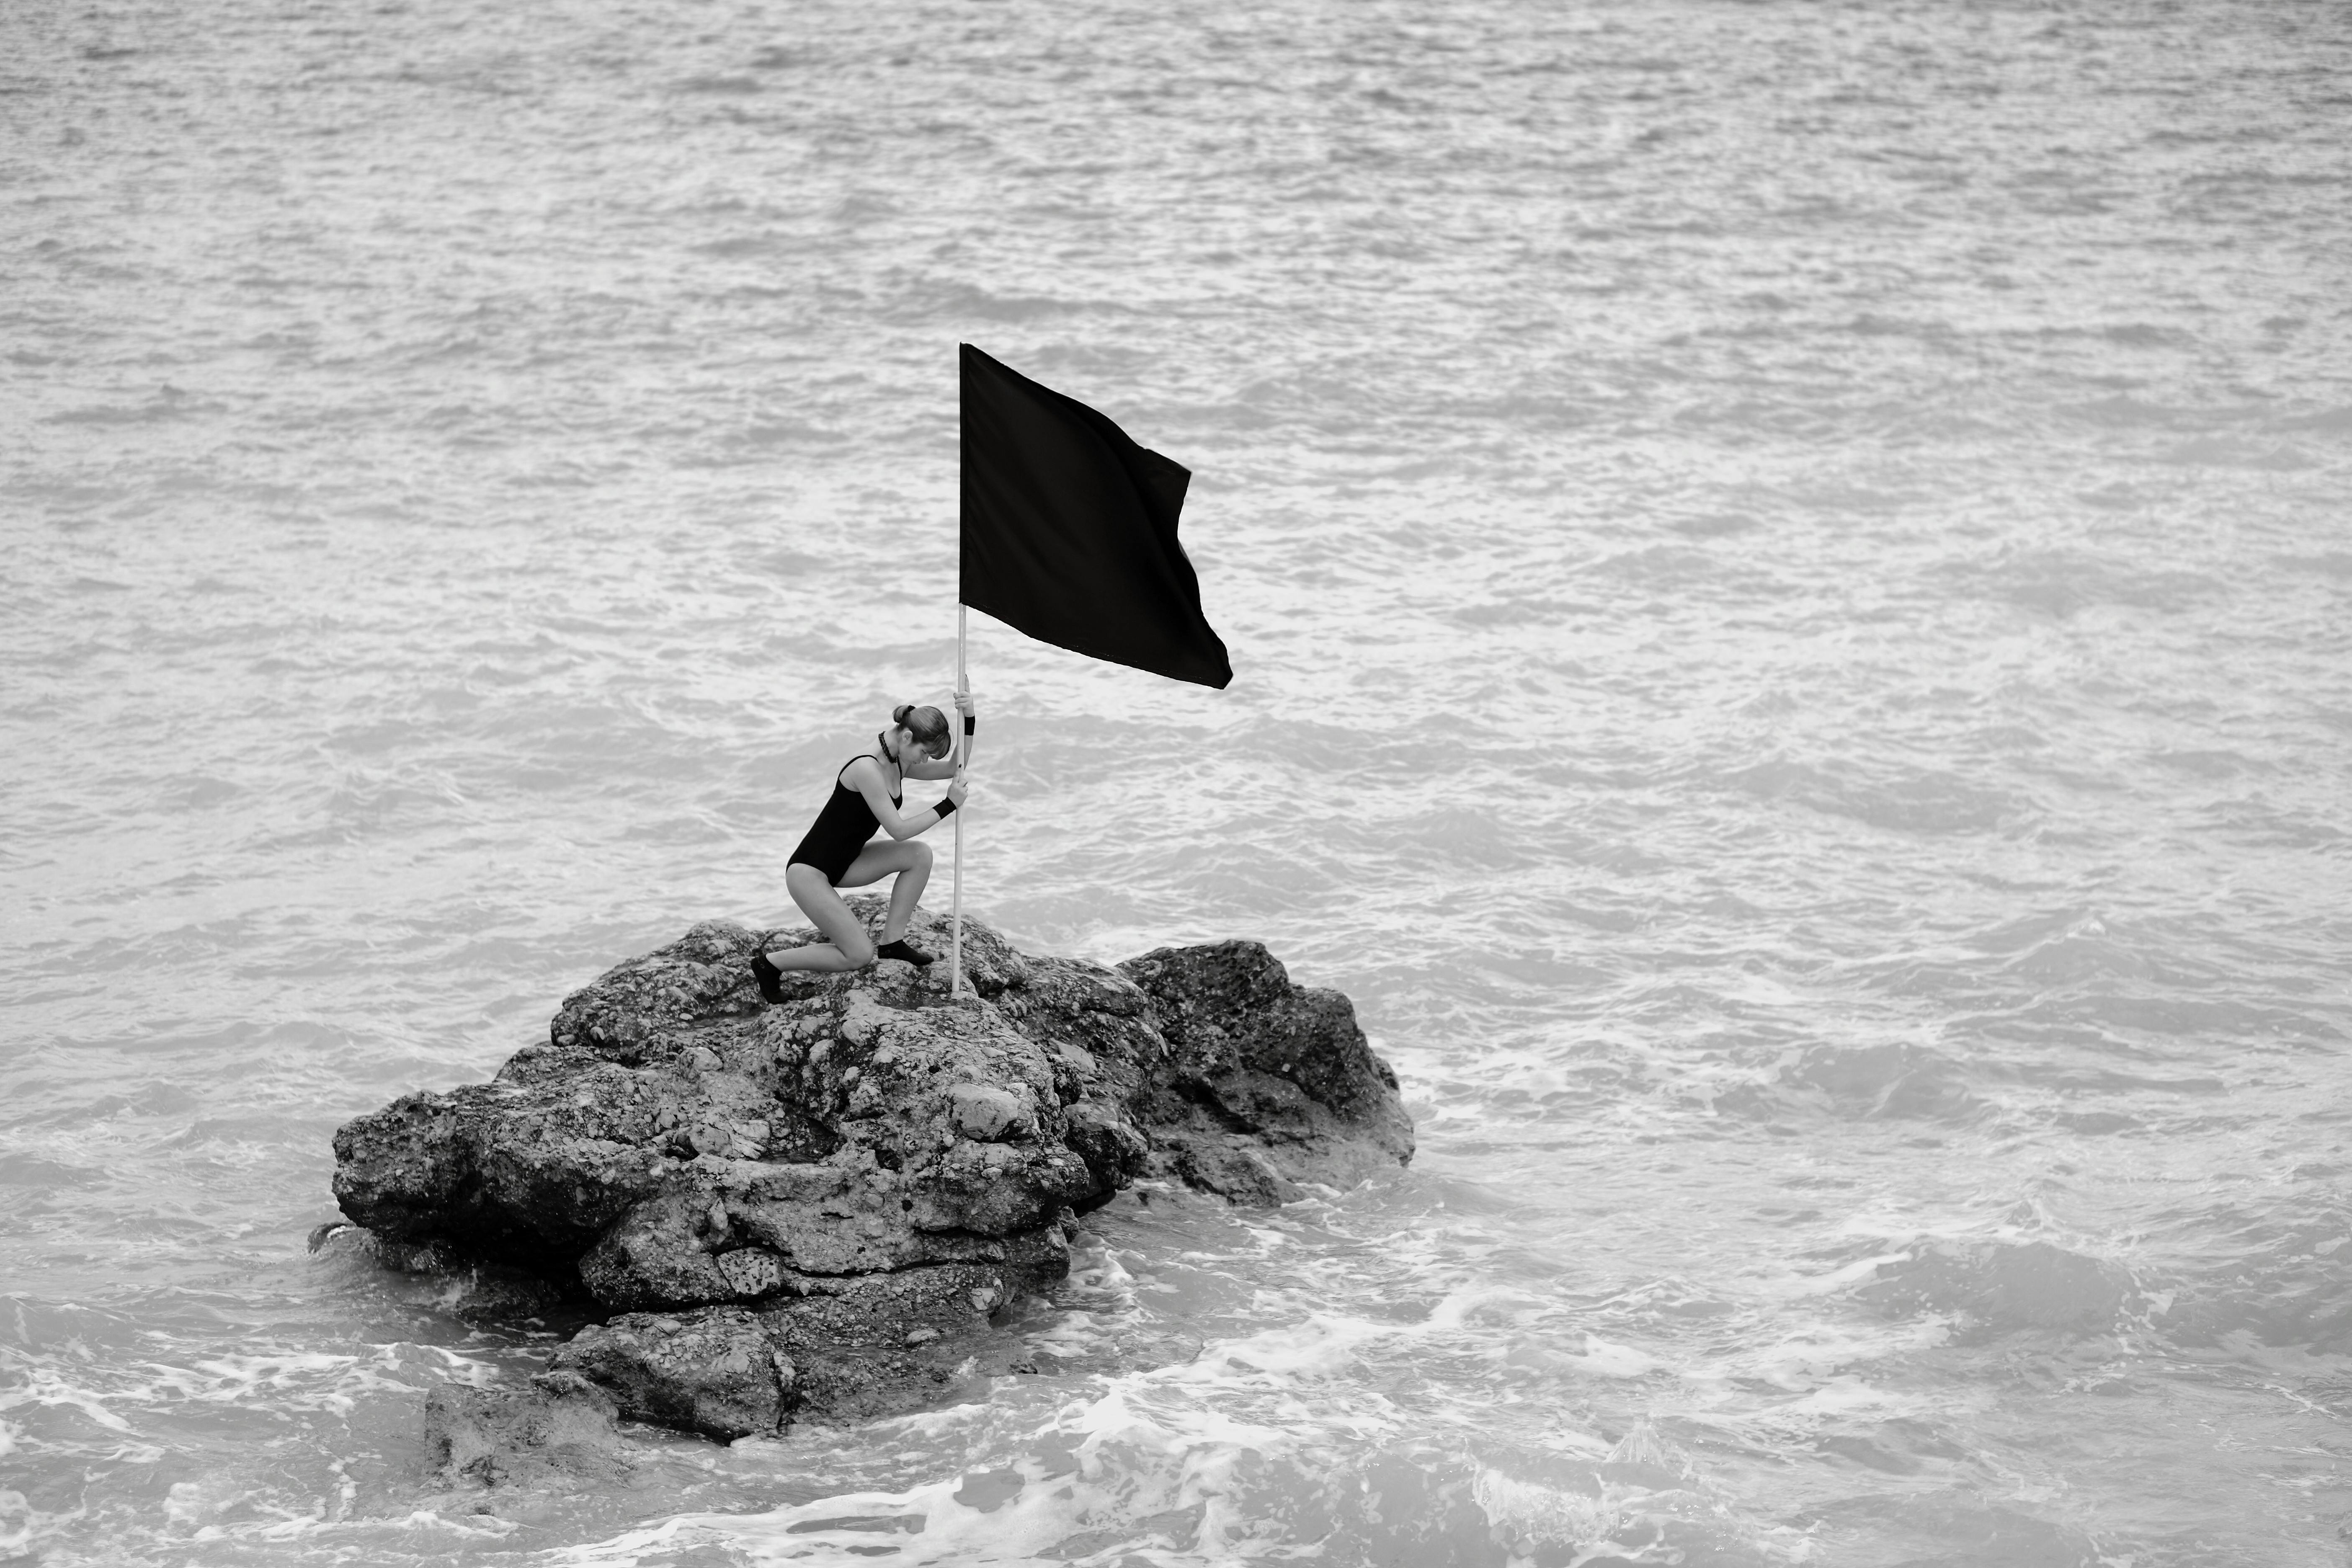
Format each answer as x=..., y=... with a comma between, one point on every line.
x=944, y=768
x=865, y=773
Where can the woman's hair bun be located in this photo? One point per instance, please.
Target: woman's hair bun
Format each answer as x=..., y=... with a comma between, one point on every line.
x=928, y=725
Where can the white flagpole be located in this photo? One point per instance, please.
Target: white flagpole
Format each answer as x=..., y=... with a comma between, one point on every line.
x=963, y=682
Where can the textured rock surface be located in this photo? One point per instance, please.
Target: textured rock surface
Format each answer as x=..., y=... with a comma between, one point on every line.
x=560, y=1424
x=775, y=1198
x=1269, y=1084
x=713, y=1370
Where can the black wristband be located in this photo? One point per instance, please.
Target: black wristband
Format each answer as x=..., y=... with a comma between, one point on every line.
x=946, y=809
x=970, y=722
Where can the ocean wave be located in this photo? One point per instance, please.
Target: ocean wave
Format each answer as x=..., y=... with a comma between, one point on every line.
x=1998, y=1287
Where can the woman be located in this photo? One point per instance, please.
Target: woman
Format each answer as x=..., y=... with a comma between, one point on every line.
x=866, y=795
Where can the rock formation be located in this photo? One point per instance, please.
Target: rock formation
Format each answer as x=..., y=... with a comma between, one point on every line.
x=812, y=1208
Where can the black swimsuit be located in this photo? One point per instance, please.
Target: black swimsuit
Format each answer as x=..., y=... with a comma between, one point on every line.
x=840, y=829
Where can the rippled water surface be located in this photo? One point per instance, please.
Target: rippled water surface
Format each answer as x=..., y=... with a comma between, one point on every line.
x=1788, y=567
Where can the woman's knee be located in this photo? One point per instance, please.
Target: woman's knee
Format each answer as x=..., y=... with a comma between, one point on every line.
x=921, y=858
x=857, y=947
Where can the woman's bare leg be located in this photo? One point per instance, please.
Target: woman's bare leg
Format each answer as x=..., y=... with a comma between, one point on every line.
x=912, y=861
x=850, y=947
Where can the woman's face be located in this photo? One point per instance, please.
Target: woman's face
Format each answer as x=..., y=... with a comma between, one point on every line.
x=911, y=750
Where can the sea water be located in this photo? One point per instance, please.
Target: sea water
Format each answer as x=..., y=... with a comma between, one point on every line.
x=1787, y=568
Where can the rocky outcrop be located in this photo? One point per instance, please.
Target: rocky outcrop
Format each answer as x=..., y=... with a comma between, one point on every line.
x=815, y=1207
x=714, y=1371
x=1267, y=1084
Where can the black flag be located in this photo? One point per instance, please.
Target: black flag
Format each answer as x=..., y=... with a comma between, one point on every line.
x=1069, y=530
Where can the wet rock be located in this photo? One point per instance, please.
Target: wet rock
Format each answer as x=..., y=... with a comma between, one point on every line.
x=883, y=1342
x=559, y=1425
x=714, y=1371
x=810, y=1184
x=1113, y=1151
x=1262, y=1074
x=1244, y=1175
x=477, y=1289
